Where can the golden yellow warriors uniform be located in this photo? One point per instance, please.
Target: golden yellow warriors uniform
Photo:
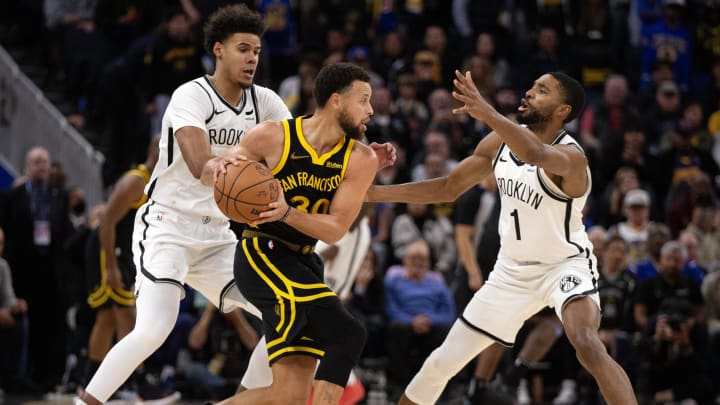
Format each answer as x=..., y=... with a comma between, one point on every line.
x=100, y=293
x=275, y=266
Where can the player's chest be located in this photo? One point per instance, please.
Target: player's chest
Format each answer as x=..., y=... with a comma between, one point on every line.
x=224, y=132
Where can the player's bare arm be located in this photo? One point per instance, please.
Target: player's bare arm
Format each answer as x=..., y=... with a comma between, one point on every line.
x=128, y=190
x=467, y=173
x=195, y=148
x=566, y=162
x=344, y=206
x=263, y=143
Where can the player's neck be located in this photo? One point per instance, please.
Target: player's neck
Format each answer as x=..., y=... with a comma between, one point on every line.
x=322, y=131
x=547, y=132
x=231, y=91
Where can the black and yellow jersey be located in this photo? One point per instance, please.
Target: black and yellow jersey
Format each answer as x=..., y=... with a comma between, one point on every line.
x=309, y=181
x=124, y=228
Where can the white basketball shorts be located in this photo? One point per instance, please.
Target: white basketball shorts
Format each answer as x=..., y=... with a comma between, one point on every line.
x=516, y=291
x=176, y=248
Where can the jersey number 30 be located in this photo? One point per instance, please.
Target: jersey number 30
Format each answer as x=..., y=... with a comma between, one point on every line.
x=321, y=206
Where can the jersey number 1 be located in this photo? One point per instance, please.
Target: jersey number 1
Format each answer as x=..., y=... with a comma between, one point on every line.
x=514, y=214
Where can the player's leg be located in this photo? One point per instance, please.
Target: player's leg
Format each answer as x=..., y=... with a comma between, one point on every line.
x=581, y=318
x=258, y=373
x=538, y=343
x=292, y=380
x=101, y=338
x=461, y=345
x=124, y=320
x=157, y=310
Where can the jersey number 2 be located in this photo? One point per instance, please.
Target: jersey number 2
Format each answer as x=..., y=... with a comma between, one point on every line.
x=514, y=214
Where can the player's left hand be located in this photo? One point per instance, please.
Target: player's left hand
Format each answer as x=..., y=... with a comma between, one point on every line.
x=466, y=92
x=276, y=210
x=385, y=153
x=475, y=281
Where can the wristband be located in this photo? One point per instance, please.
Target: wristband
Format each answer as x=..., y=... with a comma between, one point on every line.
x=285, y=215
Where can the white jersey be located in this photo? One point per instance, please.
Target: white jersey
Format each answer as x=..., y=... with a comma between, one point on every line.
x=539, y=223
x=198, y=104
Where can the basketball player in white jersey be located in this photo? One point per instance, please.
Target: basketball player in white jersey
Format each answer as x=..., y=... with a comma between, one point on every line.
x=545, y=256
x=180, y=235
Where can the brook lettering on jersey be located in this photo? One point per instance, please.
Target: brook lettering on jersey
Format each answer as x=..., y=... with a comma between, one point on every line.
x=520, y=191
x=224, y=136
x=305, y=179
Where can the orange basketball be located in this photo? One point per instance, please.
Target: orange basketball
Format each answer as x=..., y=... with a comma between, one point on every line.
x=245, y=191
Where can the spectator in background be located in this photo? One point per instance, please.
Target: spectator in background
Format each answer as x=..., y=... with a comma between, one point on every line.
x=661, y=71
x=616, y=287
x=711, y=295
x=173, y=59
x=280, y=38
x=705, y=224
x=661, y=118
x=634, y=230
x=667, y=39
x=547, y=57
x=360, y=55
x=427, y=70
x=435, y=143
x=13, y=326
x=658, y=234
x=670, y=283
x=485, y=48
x=442, y=119
x=391, y=60
x=435, y=40
x=367, y=303
x=386, y=124
x=412, y=109
x=609, y=208
x=673, y=352
x=482, y=75
x=692, y=268
x=420, y=310
x=34, y=217
x=602, y=124
x=690, y=173
x=420, y=222
x=297, y=90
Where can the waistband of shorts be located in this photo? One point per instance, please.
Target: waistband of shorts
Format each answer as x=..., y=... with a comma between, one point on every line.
x=303, y=249
x=188, y=217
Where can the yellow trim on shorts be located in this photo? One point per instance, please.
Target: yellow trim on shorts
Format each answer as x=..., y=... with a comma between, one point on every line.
x=291, y=349
x=278, y=292
x=104, y=291
x=286, y=148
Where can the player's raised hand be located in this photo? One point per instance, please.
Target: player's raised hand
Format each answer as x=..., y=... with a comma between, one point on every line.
x=385, y=153
x=467, y=93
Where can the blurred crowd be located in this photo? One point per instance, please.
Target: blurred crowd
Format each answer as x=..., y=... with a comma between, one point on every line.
x=651, y=69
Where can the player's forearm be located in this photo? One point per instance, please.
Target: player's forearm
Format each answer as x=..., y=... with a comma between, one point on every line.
x=424, y=192
x=519, y=139
x=107, y=243
x=326, y=228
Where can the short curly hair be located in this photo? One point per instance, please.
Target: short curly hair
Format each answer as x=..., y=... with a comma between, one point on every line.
x=337, y=78
x=229, y=20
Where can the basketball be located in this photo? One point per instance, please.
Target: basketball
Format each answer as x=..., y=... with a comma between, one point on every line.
x=245, y=190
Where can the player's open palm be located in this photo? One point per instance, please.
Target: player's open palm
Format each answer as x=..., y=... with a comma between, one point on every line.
x=467, y=93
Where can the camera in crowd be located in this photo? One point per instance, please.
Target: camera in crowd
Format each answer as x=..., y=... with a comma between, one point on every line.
x=677, y=310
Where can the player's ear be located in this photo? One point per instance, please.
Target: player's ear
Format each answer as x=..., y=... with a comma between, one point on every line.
x=563, y=110
x=335, y=100
x=218, y=49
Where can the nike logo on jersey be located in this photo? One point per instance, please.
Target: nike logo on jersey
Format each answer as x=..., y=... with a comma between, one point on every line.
x=502, y=159
x=219, y=112
x=249, y=112
x=295, y=157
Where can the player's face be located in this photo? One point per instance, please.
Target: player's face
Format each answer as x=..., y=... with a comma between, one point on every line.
x=356, y=109
x=540, y=101
x=239, y=55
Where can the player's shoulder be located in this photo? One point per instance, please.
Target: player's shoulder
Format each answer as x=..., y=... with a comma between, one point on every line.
x=196, y=89
x=364, y=152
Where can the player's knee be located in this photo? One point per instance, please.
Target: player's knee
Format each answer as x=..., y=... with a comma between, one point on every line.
x=356, y=335
x=153, y=337
x=438, y=365
x=586, y=342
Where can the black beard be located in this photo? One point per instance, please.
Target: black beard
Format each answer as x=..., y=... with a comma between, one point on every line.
x=533, y=117
x=350, y=129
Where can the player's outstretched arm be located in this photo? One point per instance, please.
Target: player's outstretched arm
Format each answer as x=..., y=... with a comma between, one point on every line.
x=466, y=174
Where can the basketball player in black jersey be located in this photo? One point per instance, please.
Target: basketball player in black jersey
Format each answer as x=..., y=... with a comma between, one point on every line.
x=112, y=272
x=324, y=173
